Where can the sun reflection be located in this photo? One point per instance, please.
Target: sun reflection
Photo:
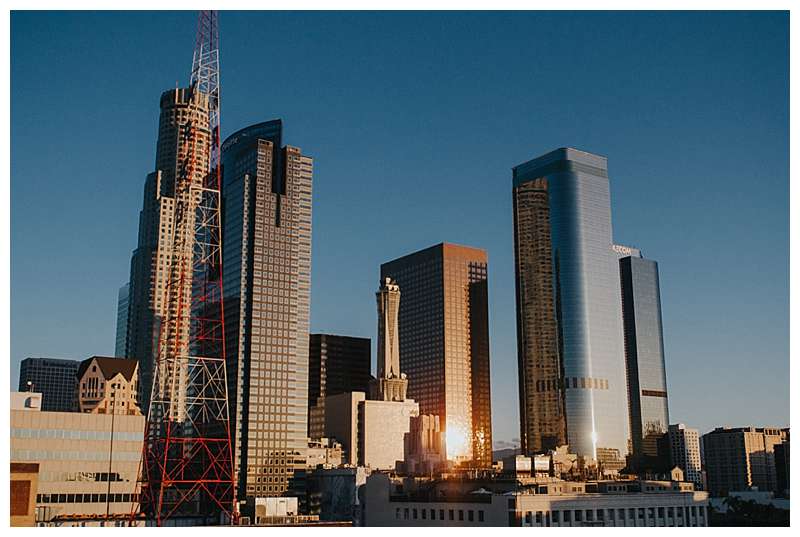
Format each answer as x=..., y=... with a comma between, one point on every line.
x=457, y=440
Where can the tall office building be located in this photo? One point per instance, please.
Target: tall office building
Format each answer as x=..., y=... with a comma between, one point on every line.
x=684, y=448
x=740, y=458
x=267, y=278
x=569, y=319
x=644, y=350
x=120, y=346
x=444, y=343
x=56, y=380
x=153, y=257
x=336, y=364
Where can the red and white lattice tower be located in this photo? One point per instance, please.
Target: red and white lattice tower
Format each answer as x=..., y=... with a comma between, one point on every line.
x=187, y=464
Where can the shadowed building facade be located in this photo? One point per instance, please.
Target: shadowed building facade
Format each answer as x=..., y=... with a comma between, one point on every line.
x=267, y=277
x=569, y=320
x=444, y=343
x=336, y=364
x=55, y=379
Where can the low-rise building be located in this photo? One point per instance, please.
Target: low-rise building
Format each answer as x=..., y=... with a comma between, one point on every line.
x=551, y=502
x=323, y=453
x=740, y=458
x=109, y=385
x=82, y=471
x=333, y=493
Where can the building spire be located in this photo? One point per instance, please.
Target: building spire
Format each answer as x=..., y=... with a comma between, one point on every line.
x=392, y=384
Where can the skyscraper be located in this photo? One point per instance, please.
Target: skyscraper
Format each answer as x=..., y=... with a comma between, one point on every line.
x=56, y=380
x=151, y=261
x=336, y=364
x=684, y=448
x=644, y=350
x=122, y=321
x=267, y=277
x=569, y=319
x=444, y=343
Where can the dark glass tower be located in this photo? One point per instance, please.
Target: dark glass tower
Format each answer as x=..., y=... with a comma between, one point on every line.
x=56, y=380
x=569, y=320
x=337, y=364
x=644, y=351
x=267, y=277
x=444, y=343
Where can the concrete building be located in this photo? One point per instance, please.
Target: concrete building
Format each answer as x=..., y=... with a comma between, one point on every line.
x=267, y=281
x=81, y=472
x=549, y=503
x=444, y=343
x=644, y=351
x=109, y=386
x=333, y=493
x=782, y=469
x=55, y=379
x=390, y=384
x=573, y=386
x=153, y=259
x=372, y=433
x=736, y=459
x=24, y=482
x=684, y=450
x=324, y=453
x=121, y=341
x=336, y=364
x=425, y=448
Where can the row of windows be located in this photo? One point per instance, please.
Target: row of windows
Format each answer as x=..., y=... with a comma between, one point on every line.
x=600, y=515
x=70, y=434
x=431, y=514
x=43, y=455
x=86, y=498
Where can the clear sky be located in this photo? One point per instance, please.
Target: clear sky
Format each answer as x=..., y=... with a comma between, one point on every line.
x=414, y=122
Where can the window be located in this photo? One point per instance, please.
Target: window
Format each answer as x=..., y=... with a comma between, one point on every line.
x=471, y=515
x=480, y=516
x=451, y=515
x=641, y=512
x=538, y=517
x=433, y=514
x=405, y=513
x=461, y=514
x=441, y=514
x=424, y=514
x=578, y=516
x=567, y=516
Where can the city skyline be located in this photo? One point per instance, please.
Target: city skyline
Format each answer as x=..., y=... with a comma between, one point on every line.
x=332, y=282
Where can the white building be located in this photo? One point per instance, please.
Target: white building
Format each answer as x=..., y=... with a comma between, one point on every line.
x=553, y=503
x=684, y=446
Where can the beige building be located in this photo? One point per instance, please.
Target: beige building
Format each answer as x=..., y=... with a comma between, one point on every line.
x=425, y=447
x=550, y=503
x=81, y=471
x=372, y=433
x=108, y=385
x=323, y=453
x=740, y=458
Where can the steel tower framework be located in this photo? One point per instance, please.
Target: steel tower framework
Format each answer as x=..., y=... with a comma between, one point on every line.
x=187, y=463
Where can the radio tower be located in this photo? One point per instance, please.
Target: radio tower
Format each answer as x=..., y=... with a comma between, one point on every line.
x=187, y=467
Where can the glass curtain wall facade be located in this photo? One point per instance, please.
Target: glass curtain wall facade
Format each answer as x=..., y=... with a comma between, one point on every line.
x=55, y=379
x=644, y=353
x=267, y=277
x=582, y=309
x=444, y=343
x=122, y=321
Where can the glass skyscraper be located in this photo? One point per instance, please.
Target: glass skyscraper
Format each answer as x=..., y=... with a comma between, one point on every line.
x=122, y=322
x=644, y=350
x=569, y=320
x=444, y=343
x=266, y=280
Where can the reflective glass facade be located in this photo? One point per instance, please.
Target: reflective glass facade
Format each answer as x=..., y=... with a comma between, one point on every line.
x=644, y=353
x=444, y=343
x=585, y=309
x=267, y=276
x=56, y=380
x=122, y=321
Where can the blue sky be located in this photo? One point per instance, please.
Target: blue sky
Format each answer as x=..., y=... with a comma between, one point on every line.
x=414, y=121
